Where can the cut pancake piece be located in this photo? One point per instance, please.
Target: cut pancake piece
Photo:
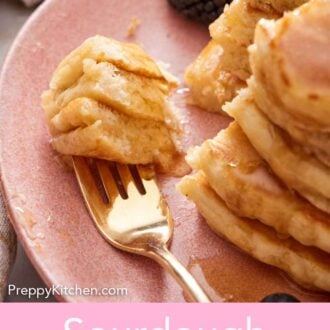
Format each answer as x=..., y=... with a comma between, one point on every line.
x=322, y=156
x=89, y=128
x=298, y=170
x=135, y=95
x=110, y=100
x=223, y=66
x=290, y=61
x=125, y=56
x=241, y=178
x=308, y=266
x=208, y=86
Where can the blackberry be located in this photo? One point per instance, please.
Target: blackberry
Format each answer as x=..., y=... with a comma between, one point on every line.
x=279, y=298
x=205, y=11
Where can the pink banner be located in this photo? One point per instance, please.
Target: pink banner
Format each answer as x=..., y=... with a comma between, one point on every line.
x=164, y=317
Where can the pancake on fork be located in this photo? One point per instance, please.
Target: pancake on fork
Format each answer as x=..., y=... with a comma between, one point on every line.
x=110, y=100
x=241, y=178
x=308, y=266
x=88, y=127
x=223, y=66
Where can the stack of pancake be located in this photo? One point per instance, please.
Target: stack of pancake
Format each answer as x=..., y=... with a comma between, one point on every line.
x=223, y=66
x=264, y=182
x=109, y=100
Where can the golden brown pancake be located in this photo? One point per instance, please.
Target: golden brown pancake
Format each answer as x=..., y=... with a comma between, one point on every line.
x=291, y=57
x=317, y=143
x=90, y=128
x=279, y=6
x=291, y=76
x=244, y=182
x=223, y=66
x=308, y=266
x=296, y=168
x=138, y=96
x=109, y=100
x=125, y=56
x=263, y=183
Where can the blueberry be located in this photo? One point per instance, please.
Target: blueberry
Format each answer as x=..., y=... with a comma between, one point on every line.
x=280, y=297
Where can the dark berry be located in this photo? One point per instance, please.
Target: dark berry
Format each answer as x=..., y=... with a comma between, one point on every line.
x=205, y=11
x=279, y=298
x=209, y=6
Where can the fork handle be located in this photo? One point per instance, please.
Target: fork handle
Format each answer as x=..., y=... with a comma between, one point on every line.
x=183, y=277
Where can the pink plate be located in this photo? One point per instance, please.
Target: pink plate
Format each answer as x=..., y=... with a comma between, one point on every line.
x=43, y=198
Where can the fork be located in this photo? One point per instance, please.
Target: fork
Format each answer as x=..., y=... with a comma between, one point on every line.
x=131, y=214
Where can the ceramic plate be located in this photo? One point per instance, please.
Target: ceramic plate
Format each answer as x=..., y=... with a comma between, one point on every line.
x=43, y=198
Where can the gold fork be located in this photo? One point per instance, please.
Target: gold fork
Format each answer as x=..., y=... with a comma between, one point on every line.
x=133, y=215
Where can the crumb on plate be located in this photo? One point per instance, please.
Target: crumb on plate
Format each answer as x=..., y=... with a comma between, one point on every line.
x=134, y=23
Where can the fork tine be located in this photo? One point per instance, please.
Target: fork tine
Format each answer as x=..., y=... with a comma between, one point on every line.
x=108, y=181
x=126, y=177
x=148, y=178
x=88, y=186
x=137, y=179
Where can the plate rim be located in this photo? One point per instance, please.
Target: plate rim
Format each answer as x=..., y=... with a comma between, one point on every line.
x=14, y=220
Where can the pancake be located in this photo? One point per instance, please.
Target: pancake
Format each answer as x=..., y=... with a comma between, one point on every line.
x=291, y=80
x=110, y=100
x=223, y=66
x=209, y=86
x=135, y=95
x=89, y=128
x=297, y=169
x=240, y=177
x=279, y=6
x=314, y=142
x=290, y=63
x=125, y=56
x=262, y=183
x=308, y=266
